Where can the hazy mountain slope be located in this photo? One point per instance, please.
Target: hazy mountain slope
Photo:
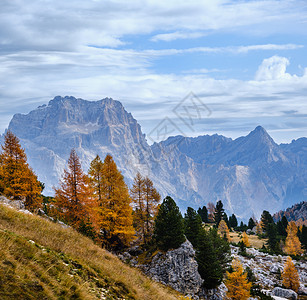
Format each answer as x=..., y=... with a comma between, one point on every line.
x=293, y=213
x=248, y=174
x=41, y=260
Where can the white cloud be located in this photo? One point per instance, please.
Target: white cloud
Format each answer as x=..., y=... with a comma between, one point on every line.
x=273, y=68
x=167, y=37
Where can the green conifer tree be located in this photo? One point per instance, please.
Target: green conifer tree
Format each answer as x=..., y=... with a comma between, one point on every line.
x=219, y=213
x=169, y=227
x=192, y=225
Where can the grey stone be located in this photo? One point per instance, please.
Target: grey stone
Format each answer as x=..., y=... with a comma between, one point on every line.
x=178, y=269
x=284, y=293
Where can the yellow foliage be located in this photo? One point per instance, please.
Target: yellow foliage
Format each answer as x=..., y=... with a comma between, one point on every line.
x=290, y=277
x=237, y=283
x=245, y=239
x=223, y=230
x=18, y=179
x=293, y=244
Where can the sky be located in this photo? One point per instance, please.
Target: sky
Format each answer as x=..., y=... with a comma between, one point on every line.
x=243, y=62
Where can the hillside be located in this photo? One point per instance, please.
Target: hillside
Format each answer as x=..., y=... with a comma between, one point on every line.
x=42, y=260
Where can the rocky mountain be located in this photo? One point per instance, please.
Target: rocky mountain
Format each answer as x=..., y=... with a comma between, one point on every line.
x=248, y=174
x=294, y=213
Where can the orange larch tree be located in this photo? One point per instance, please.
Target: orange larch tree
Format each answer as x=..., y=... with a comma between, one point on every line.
x=18, y=180
x=237, y=283
x=293, y=244
x=223, y=230
x=290, y=277
x=96, y=177
x=74, y=198
x=245, y=239
x=115, y=210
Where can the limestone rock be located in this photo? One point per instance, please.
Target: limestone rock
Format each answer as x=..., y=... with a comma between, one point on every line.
x=177, y=268
x=284, y=293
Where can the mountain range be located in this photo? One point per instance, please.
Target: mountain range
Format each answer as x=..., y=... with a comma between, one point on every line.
x=249, y=174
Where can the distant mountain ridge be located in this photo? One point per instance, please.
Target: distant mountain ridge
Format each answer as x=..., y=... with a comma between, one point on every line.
x=249, y=174
x=294, y=213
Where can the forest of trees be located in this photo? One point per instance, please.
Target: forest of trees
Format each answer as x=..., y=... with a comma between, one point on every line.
x=100, y=205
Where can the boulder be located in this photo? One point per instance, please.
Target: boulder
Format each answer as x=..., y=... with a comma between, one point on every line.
x=284, y=293
x=178, y=269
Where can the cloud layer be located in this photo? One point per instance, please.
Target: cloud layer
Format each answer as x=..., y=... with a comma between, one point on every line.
x=237, y=56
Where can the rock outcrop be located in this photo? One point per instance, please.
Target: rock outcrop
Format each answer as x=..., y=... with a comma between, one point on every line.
x=284, y=293
x=176, y=268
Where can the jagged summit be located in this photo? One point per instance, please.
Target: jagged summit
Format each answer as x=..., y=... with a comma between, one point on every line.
x=249, y=174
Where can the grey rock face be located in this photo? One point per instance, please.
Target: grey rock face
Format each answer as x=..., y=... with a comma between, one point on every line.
x=249, y=174
x=284, y=293
x=177, y=268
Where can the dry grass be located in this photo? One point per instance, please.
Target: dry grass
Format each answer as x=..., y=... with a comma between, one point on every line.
x=62, y=264
x=253, y=239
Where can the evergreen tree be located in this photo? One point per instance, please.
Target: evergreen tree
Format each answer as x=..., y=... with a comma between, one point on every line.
x=73, y=199
x=212, y=255
x=18, y=180
x=290, y=277
x=203, y=212
x=293, y=245
x=233, y=222
x=303, y=237
x=271, y=232
x=115, y=211
x=219, y=213
x=169, y=226
x=266, y=219
x=192, y=225
x=251, y=223
x=237, y=283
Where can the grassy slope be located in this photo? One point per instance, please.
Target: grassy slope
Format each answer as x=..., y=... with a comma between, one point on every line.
x=253, y=239
x=42, y=260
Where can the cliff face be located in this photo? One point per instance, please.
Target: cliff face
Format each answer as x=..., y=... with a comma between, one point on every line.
x=248, y=174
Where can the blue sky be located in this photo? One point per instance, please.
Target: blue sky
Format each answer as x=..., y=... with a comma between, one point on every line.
x=245, y=60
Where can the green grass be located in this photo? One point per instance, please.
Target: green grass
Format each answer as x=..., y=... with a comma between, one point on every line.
x=41, y=260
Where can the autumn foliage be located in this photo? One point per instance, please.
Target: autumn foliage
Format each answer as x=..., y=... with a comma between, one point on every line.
x=145, y=199
x=18, y=181
x=223, y=230
x=245, y=239
x=74, y=198
x=237, y=283
x=293, y=244
x=290, y=277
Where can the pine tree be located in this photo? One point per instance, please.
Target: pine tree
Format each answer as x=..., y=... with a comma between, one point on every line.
x=73, y=199
x=223, y=230
x=192, y=225
x=290, y=277
x=169, y=227
x=115, y=211
x=233, y=222
x=266, y=219
x=213, y=256
x=245, y=239
x=303, y=237
x=219, y=213
x=18, y=179
x=237, y=283
x=251, y=223
x=271, y=232
x=203, y=212
x=293, y=244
